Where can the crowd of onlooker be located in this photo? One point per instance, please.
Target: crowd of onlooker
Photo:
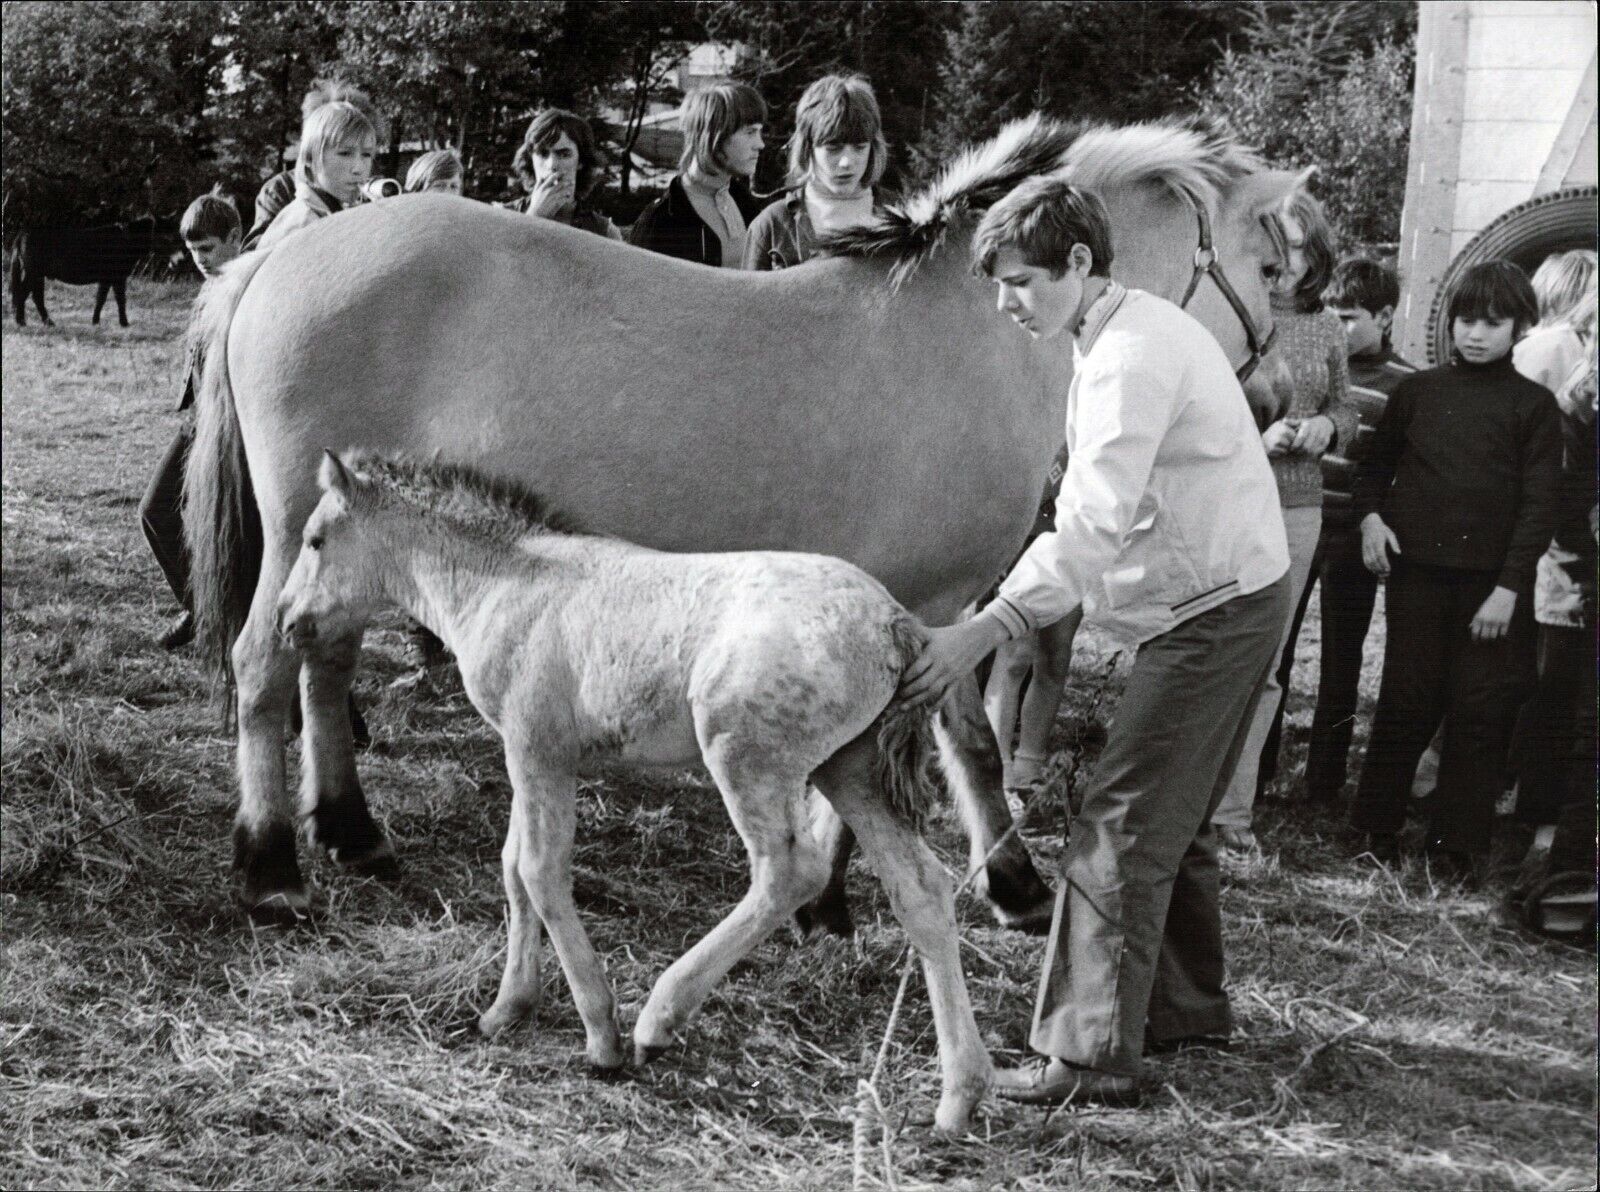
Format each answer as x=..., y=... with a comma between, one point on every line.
x=1466, y=491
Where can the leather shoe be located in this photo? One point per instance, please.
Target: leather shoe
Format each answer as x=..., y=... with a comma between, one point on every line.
x=1046, y=1080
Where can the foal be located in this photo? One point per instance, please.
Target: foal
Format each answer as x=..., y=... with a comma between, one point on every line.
x=774, y=668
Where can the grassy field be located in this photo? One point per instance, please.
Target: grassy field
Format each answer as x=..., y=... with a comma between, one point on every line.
x=1390, y=1035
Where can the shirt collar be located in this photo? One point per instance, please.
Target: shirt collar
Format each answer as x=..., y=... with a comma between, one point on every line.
x=1097, y=316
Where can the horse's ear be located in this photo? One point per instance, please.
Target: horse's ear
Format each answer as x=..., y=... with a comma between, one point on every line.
x=1256, y=194
x=334, y=477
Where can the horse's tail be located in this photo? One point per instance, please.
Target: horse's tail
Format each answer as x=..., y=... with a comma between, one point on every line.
x=906, y=747
x=221, y=525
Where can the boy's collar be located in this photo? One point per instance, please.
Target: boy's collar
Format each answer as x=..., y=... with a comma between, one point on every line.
x=1098, y=315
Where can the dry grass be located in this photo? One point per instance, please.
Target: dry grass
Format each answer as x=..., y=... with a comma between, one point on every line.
x=1389, y=1034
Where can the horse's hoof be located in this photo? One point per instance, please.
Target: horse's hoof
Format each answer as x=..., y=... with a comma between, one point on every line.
x=1020, y=901
x=829, y=914
x=284, y=909
x=376, y=861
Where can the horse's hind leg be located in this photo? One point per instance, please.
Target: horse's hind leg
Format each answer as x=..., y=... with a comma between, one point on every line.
x=331, y=799
x=544, y=816
x=767, y=806
x=830, y=910
x=971, y=759
x=100, y=293
x=264, y=828
x=923, y=901
x=38, y=300
x=120, y=289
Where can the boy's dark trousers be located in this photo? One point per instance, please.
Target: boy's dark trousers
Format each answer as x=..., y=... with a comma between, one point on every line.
x=161, y=516
x=1349, y=592
x=1556, y=730
x=1433, y=670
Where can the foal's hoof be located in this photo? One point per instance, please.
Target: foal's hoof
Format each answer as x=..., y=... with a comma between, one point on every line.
x=644, y=1053
x=291, y=908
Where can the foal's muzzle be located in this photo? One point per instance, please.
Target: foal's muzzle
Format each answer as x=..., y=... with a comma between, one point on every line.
x=298, y=631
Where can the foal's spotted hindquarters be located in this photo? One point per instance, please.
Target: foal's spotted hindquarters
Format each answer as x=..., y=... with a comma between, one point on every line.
x=773, y=668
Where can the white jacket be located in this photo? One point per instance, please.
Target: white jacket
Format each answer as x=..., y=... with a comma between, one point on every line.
x=1168, y=507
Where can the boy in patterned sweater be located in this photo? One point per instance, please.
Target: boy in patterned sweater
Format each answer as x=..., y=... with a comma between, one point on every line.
x=1363, y=294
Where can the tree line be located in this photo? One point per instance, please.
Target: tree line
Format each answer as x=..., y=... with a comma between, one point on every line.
x=109, y=109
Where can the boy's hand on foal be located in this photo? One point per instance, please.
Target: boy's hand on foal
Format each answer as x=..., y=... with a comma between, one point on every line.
x=1377, y=540
x=1493, y=619
x=950, y=655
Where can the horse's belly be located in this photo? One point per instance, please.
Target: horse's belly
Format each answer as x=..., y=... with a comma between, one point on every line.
x=666, y=745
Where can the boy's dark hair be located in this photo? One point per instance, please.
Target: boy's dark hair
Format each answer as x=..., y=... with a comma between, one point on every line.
x=543, y=133
x=1042, y=219
x=1494, y=290
x=1365, y=283
x=211, y=216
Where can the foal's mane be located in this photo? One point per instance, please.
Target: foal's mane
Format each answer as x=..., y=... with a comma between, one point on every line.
x=1191, y=158
x=472, y=501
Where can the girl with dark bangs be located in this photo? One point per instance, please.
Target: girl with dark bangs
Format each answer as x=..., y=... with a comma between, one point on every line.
x=708, y=206
x=836, y=156
x=1318, y=418
x=1458, y=498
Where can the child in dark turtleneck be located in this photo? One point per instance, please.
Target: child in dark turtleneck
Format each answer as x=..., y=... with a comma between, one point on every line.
x=1457, y=499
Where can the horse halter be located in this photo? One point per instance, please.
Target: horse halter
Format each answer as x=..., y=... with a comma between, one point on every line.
x=1207, y=263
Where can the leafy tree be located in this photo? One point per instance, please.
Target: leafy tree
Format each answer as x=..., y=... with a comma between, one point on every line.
x=103, y=107
x=646, y=39
x=1327, y=86
x=273, y=49
x=1069, y=58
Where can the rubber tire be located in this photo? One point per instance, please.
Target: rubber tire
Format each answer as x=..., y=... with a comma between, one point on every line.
x=1526, y=234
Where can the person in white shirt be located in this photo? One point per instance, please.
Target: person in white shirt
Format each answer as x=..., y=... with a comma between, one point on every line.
x=1169, y=535
x=1553, y=349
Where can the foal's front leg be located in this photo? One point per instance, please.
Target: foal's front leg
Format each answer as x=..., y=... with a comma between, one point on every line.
x=519, y=987
x=543, y=821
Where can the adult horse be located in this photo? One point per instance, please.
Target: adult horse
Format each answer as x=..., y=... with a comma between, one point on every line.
x=102, y=256
x=869, y=405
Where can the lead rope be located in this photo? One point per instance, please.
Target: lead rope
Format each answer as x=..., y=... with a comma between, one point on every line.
x=869, y=1104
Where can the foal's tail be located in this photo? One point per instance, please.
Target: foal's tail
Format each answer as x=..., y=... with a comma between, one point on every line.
x=221, y=525
x=906, y=747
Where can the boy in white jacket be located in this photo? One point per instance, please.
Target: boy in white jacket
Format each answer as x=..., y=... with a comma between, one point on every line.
x=1168, y=534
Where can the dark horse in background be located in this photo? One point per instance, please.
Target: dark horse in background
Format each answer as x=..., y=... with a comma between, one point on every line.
x=102, y=256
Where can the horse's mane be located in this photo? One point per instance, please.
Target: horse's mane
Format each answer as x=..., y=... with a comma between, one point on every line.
x=1191, y=158
x=472, y=501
